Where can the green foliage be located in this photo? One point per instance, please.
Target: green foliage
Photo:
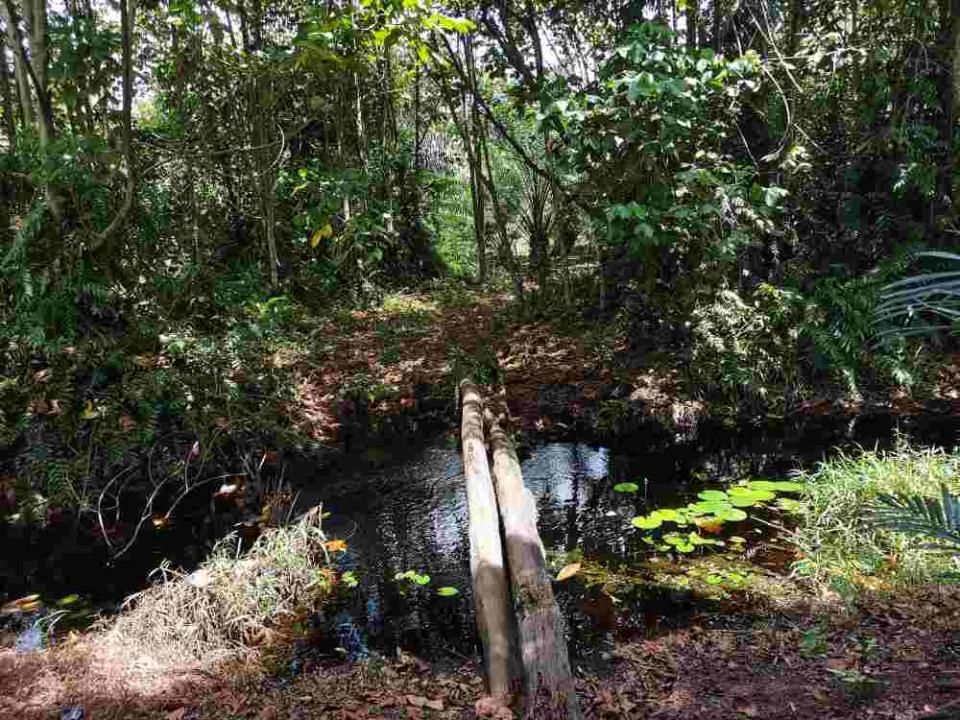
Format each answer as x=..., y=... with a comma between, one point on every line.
x=842, y=327
x=652, y=142
x=746, y=347
x=837, y=531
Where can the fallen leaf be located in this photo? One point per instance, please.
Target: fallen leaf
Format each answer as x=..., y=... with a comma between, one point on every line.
x=227, y=490
x=568, y=572
x=335, y=545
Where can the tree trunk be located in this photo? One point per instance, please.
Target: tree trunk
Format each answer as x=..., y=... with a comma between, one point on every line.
x=37, y=73
x=693, y=23
x=9, y=123
x=490, y=589
x=548, y=681
x=126, y=138
x=717, y=25
x=949, y=101
x=19, y=68
x=796, y=25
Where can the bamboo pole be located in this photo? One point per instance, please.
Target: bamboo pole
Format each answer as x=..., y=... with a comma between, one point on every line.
x=548, y=681
x=491, y=590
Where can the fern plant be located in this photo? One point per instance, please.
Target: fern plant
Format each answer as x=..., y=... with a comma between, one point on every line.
x=934, y=518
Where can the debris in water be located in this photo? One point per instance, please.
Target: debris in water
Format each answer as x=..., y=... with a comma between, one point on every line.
x=30, y=640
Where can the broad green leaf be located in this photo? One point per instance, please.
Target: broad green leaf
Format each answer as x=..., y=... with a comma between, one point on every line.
x=776, y=485
x=646, y=522
x=447, y=591
x=626, y=487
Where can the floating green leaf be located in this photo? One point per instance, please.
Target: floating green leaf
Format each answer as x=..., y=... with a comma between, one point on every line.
x=447, y=591
x=732, y=515
x=776, y=485
x=626, y=487
x=646, y=522
x=712, y=495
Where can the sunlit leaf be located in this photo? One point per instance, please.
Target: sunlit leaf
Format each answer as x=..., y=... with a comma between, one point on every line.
x=336, y=545
x=776, y=485
x=644, y=522
x=447, y=591
x=89, y=412
x=626, y=487
x=568, y=571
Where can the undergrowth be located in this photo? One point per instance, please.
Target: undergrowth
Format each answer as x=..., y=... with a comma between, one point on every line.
x=842, y=546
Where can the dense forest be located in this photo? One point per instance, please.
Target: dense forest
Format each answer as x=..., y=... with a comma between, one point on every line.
x=242, y=240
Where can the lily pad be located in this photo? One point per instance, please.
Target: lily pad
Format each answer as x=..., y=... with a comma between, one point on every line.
x=732, y=515
x=626, y=487
x=646, y=522
x=712, y=495
x=712, y=507
x=776, y=485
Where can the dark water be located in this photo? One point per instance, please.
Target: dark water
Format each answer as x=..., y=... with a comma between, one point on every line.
x=403, y=507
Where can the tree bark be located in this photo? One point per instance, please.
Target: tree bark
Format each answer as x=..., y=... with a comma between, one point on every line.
x=796, y=25
x=693, y=23
x=19, y=67
x=949, y=102
x=717, y=26
x=490, y=589
x=548, y=681
x=9, y=122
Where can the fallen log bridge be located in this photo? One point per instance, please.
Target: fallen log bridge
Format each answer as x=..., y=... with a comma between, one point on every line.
x=521, y=628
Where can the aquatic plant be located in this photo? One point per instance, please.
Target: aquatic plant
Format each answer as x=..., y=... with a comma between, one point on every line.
x=712, y=509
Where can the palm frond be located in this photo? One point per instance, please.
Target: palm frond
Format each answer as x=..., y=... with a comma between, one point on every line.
x=934, y=518
x=929, y=295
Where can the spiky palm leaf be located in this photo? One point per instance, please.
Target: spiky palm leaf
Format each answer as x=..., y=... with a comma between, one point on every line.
x=934, y=296
x=935, y=518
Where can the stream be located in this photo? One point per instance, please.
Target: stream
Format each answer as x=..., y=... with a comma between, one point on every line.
x=403, y=507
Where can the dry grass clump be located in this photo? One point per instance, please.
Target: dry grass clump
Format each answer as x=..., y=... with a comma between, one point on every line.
x=232, y=604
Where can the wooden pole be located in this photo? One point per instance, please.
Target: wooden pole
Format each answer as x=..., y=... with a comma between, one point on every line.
x=491, y=590
x=548, y=681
